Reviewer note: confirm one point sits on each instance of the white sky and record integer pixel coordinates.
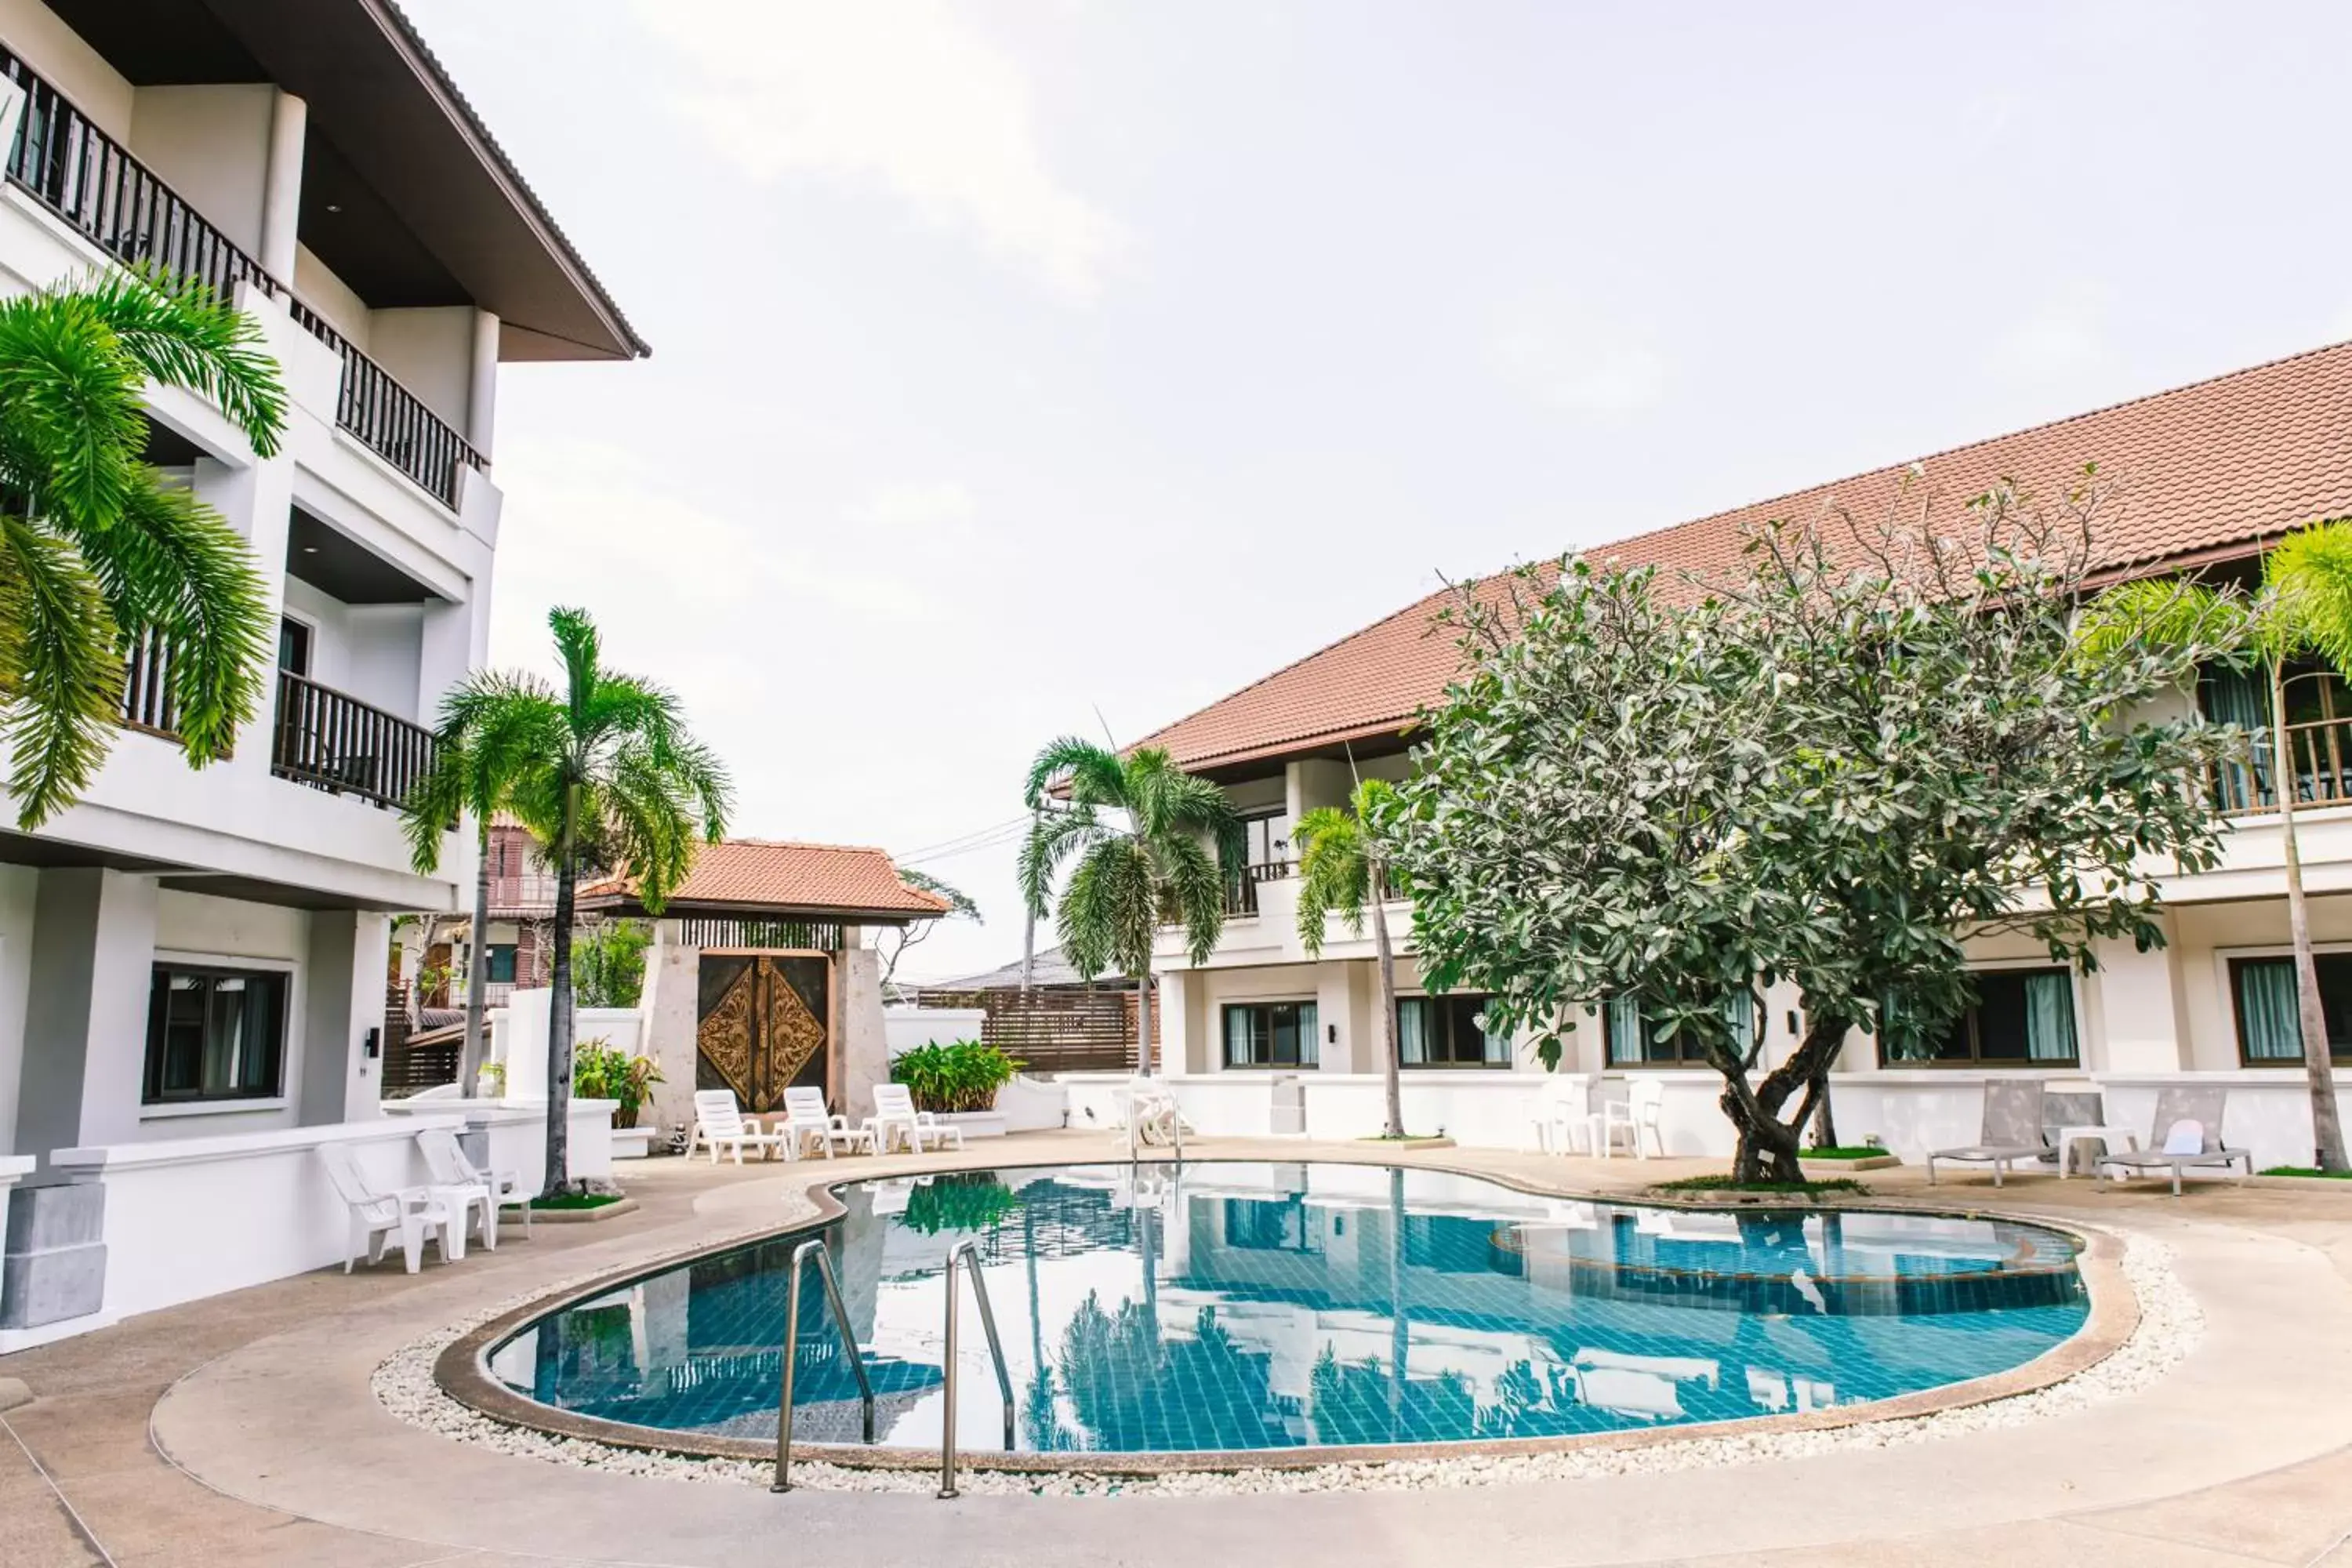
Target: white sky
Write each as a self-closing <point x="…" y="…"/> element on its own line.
<point x="1015" y="360"/>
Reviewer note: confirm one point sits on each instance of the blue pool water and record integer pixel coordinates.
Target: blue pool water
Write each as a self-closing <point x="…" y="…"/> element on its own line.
<point x="1254" y="1306"/>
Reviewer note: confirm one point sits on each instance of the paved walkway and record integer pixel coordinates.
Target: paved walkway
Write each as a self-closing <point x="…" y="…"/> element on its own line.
<point x="279" y="1455"/>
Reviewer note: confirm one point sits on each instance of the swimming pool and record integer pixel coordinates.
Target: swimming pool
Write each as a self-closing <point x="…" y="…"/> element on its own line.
<point x="1227" y="1305"/>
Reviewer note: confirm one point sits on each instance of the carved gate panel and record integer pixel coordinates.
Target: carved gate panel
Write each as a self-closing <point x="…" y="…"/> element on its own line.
<point x="763" y="1026"/>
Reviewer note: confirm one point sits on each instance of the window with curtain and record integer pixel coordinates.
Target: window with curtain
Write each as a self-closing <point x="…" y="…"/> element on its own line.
<point x="1444" y="1032"/>
<point x="2021" y="1017"/>
<point x="2269" y="1030"/>
<point x="499" y="961"/>
<point x="1271" y="1035"/>
<point x="1631" y="1041"/>
<point x="214" y="1033"/>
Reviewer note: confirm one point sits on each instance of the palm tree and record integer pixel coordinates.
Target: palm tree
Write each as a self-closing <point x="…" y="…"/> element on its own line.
<point x="1341" y="869"/>
<point x="1165" y="865"/>
<point x="603" y="773"/>
<point x="99" y="553"/>
<point x="483" y="744"/>
<point x="2303" y="606"/>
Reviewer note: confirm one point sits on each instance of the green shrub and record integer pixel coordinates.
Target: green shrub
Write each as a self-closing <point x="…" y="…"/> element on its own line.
<point x="963" y="1076"/>
<point x="600" y="1070"/>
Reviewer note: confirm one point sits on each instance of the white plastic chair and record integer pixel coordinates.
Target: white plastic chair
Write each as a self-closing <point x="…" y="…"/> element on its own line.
<point x="407" y="1212"/>
<point x="1564" y="1120"/>
<point x="895" y="1113"/>
<point x="806" y="1118"/>
<point x="1636" y="1115"/>
<point x="445" y="1158"/>
<point x="719" y="1120"/>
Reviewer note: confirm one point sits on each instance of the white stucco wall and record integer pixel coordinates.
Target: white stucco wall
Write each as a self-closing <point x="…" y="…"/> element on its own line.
<point x="211" y="144"/>
<point x="431" y="353"/>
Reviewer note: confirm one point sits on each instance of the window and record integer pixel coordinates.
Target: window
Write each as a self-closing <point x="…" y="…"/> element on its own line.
<point x="293" y="646"/>
<point x="2318" y="733"/>
<point x="2270" y="1029"/>
<point x="1633" y="1043"/>
<point x="1265" y="838"/>
<point x="1271" y="1035"/>
<point x="1444" y="1032"/>
<point x="1260" y="1225"/>
<point x="2021" y="1017"/>
<point x="499" y="961"/>
<point x="214" y="1033"/>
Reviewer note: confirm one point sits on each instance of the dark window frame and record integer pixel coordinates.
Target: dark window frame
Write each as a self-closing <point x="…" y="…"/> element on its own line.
<point x="1972" y="1024"/>
<point x="1455" y="1010"/>
<point x="2340" y="960"/>
<point x="152" y="1091"/>
<point x="490" y="976"/>
<point x="304" y="639"/>
<point x="1307" y="1042"/>
<point x="1688" y="1056"/>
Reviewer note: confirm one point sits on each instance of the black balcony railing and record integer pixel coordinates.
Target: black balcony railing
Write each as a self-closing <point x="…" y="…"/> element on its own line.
<point x="392" y="420"/>
<point x="147" y="700"/>
<point x="1241" y="892"/>
<point x="333" y="742"/>
<point x="93" y="182"/>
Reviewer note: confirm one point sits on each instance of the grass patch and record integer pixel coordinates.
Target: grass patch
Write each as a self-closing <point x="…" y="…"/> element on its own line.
<point x="2308" y="1171"/>
<point x="575" y="1200"/>
<point x="1725" y="1185"/>
<point x="1404" y="1138"/>
<point x="1859" y="1152"/>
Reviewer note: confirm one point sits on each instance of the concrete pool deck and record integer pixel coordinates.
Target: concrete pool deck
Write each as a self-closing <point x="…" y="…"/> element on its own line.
<point x="242" y="1430"/>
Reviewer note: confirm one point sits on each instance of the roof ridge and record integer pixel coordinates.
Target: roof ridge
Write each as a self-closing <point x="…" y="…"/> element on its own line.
<point x="807" y="844"/>
<point x="2023" y="430"/>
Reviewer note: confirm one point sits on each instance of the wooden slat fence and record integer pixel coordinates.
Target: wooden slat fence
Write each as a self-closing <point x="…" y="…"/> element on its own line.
<point x="1055" y="1031"/>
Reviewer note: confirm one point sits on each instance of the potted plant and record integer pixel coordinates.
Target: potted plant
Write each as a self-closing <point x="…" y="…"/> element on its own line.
<point x="490" y="1083"/>
<point x="601" y="1070"/>
<point x="958" y="1080"/>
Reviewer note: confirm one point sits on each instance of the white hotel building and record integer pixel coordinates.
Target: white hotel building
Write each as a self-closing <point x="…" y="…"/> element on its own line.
<point x="1263" y="1039"/>
<point x="193" y="964"/>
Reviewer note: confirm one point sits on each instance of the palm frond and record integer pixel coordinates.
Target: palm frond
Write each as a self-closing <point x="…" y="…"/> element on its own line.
<point x="1109" y="909"/>
<point x="69" y="407"/>
<point x="1334" y="873"/>
<point x="60" y="681"/>
<point x="1095" y="774"/>
<point x="2170" y="612"/>
<point x="1191" y="893"/>
<point x="183" y="334"/>
<point x="1053" y="837"/>
<point x="580" y="650"/>
<point x="2310" y="572"/>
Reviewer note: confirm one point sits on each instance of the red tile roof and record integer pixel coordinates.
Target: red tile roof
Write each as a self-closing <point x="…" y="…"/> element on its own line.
<point x="2201" y="469"/>
<point x="768" y="876"/>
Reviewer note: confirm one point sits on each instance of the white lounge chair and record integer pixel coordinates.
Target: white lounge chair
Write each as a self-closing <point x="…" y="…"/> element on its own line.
<point x="1636" y="1116"/>
<point x="2011" y="1133"/>
<point x="719" y="1121"/>
<point x="894" y="1114"/>
<point x="406" y="1211"/>
<point x="2188" y="1120"/>
<point x="806" y="1118"/>
<point x="445" y="1158"/>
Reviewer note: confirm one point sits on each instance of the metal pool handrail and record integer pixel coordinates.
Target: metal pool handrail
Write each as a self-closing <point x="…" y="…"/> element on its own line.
<point x="815" y="1247"/>
<point x="968" y="1253"/>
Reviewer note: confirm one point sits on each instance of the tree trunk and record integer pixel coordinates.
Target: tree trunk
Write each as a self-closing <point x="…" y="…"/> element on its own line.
<point x="2326" y="1126"/>
<point x="1386" y="960"/>
<point x="1768" y="1147"/>
<point x="560" y="1023"/>
<point x="478" y="968"/>
<point x="1143" y="1025"/>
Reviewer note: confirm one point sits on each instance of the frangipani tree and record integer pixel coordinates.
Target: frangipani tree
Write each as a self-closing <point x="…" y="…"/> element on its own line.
<point x="1833" y="767"/>
<point x="1146" y="845"/>
<point x="1342" y="868"/>
<point x="2303" y="606"/>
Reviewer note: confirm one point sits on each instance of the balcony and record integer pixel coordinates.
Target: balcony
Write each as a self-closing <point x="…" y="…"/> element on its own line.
<point x="2321" y="755"/>
<point x="1241" y="894"/>
<point x="94" y="184"/>
<point x="332" y="742"/>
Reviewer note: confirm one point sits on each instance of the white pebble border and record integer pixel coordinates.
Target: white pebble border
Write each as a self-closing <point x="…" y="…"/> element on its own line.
<point x="2170" y="1323"/>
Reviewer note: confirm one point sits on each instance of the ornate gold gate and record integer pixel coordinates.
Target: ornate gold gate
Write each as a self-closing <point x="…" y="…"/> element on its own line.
<point x="764" y="1026"/>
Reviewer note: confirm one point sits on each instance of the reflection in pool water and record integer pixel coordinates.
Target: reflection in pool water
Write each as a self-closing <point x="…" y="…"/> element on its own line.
<point x="1234" y="1305"/>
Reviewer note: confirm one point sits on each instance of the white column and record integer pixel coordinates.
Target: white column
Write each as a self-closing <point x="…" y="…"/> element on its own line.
<point x="343" y="986"/>
<point x="281" y="198"/>
<point x="482" y="388"/>
<point x="1175" y="999"/>
<point x="2133" y="1017"/>
<point x="1345" y="1039"/>
<point x="86" y="1016"/>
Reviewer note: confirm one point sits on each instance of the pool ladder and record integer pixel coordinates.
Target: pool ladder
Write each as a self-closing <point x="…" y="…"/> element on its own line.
<point x="966" y="1253"/>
